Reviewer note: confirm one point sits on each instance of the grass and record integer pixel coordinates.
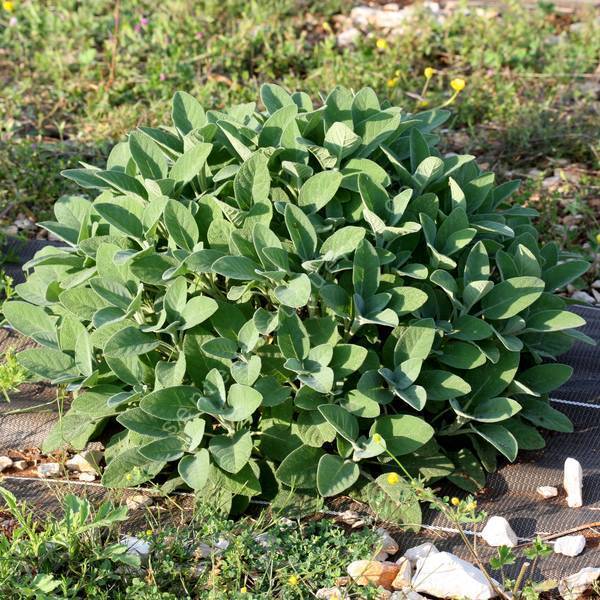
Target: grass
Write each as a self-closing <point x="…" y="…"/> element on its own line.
<point x="76" y="554"/>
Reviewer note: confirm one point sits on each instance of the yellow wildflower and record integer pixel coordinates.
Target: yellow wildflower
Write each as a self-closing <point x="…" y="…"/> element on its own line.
<point x="598" y="238"/>
<point x="293" y="580"/>
<point x="393" y="82"/>
<point x="423" y="103"/>
<point x="455" y="501"/>
<point x="8" y="6"/>
<point x="326" y="26"/>
<point x="393" y="478"/>
<point x="458" y="84"/>
<point x="244" y="590"/>
<point x="429" y="72"/>
<point x="472" y="505"/>
<point x="381" y="44"/>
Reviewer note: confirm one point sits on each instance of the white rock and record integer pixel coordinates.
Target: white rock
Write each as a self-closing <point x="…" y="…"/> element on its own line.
<point x="20" y="465"/>
<point x="347" y="38"/>
<point x="206" y="551"/>
<point x="421" y="551"/>
<point x="573" y="586"/>
<point x="136" y="546"/>
<point x="5" y="463"/>
<point x="332" y="593"/>
<point x="49" y="469"/>
<point x="444" y="575"/>
<point x="388" y="543"/>
<point x="381" y="556"/>
<point x="583" y="297"/>
<point x="498" y="532"/>
<point x="573" y="482"/>
<point x="547" y="491"/>
<point x="87" y="477"/>
<point x="138" y="501"/>
<point x="596" y="284"/>
<point x="86" y="461"/>
<point x="570" y="545"/>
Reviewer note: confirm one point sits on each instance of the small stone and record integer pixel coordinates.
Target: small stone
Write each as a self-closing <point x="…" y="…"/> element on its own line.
<point x="388" y="543"/>
<point x="547" y="491"/>
<point x="367" y="572"/>
<point x="285" y="522"/>
<point x="49" y="469"/>
<point x="347" y="38"/>
<point x="11" y="230"/>
<point x="444" y="575"/>
<point x="87" y="477"/>
<point x="421" y="551"/>
<point x="570" y="545"/>
<point x="264" y="539"/>
<point x="332" y="593"/>
<point x="583" y="297"/>
<point x="206" y="551"/>
<point x="86" y="461"/>
<point x="20" y="465"/>
<point x="498" y="532"/>
<point x="383" y="594"/>
<point x="596" y="284"/>
<point x="404" y="577"/>
<point x="381" y="556"/>
<point x="573" y="482"/>
<point x="5" y="463"/>
<point x="349" y="517"/>
<point x="135" y="546"/>
<point x="574" y="586"/>
<point x="138" y="501"/>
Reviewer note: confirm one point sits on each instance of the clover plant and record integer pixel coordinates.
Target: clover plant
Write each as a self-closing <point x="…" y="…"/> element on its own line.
<point x="264" y="300"/>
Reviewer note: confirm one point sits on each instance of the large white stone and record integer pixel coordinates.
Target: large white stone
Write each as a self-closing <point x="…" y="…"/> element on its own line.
<point x="404" y="577"/>
<point x="498" y="532"/>
<point x="5" y="463"/>
<point x="573" y="586"/>
<point x="136" y="546"/>
<point x="444" y="575"/>
<point x="570" y="545"/>
<point x="421" y="551"/>
<point x="87" y="461"/>
<point x="573" y="482"/>
<point x="49" y="469"/>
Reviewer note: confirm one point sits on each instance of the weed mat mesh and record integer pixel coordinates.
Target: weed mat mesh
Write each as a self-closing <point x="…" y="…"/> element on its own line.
<point x="510" y="492"/>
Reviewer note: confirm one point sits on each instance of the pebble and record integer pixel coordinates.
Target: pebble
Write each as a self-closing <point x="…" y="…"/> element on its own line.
<point x="498" y="532"/>
<point x="138" y="501"/>
<point x="20" y="465"/>
<point x="347" y="38"/>
<point x="136" y="546"/>
<point x="388" y="543"/>
<point x="49" y="469"/>
<point x="404" y="577"/>
<point x="573" y="482"/>
<point x="596" y="284"/>
<point x="5" y="463"/>
<point x="367" y="572"/>
<point x="332" y="593"/>
<point x="547" y="491"/>
<point x="87" y="461"/>
<point x="574" y="586"/>
<point x="570" y="545"/>
<point x="87" y="477"/>
<point x="583" y="297"/>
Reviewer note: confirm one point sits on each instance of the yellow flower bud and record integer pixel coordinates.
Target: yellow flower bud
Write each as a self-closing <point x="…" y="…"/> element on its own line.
<point x="244" y="590"/>
<point x="8" y="6"/>
<point x="293" y="580"/>
<point x="326" y="26"/>
<point x="377" y="438"/>
<point x="393" y="82"/>
<point x="423" y="103"/>
<point x="455" y="501"/>
<point x="598" y="238"/>
<point x="381" y="44"/>
<point x="429" y="72"/>
<point x="458" y="84"/>
<point x="393" y="478"/>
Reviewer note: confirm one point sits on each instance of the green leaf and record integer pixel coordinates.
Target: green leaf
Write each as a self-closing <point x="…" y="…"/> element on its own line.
<point x="545" y="378"/>
<point x="129" y="469"/>
<point x="178" y="403"/>
<point x="491" y="410"/>
<point x="242" y="401"/>
<point x="197" y="310"/>
<point x="500" y="437"/>
<point x="148" y="156"/>
<point x="403" y="434"/>
<point x="343" y="241"/>
<point x="231" y="453"/>
<point x="540" y="413"/>
<point x="48" y="363"/>
<point x="443" y="385"/>
<point x="295" y="293"/>
<point x="341" y="141"/>
<point x="194" y="469"/>
<point x="510" y="297"/>
<point x="554" y="320"/>
<point x="292" y="337"/>
<point x="187" y="113"/>
<point x="334" y="475"/>
<point x="365" y="271"/>
<point x="301" y="230"/>
<point x="165" y="449"/>
<point x="299" y="468"/>
<point x="130" y="341"/>
<point x="394" y="502"/>
<point x="318" y="190"/>
<point x="190" y="163"/>
<point x="32" y="321"/>
<point x="252" y="182"/>
<point x="181" y="225"/>
<point x="341" y="420"/>
<point x="559" y="276"/>
<point x="236" y="267"/>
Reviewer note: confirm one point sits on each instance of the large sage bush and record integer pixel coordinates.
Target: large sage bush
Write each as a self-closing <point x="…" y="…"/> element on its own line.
<point x="268" y="300"/>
